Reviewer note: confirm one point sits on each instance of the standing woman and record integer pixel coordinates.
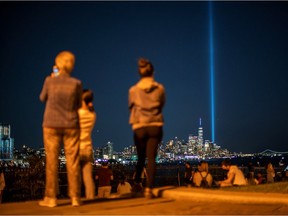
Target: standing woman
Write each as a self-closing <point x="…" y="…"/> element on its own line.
<point x="61" y="94"/>
<point x="87" y="119"/>
<point x="146" y="101"/>
<point x="270" y="173"/>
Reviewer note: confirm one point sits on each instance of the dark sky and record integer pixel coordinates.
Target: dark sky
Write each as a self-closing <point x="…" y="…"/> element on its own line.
<point x="250" y="57"/>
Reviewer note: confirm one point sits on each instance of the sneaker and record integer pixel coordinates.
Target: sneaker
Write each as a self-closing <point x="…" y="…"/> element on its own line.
<point x="76" y="202"/>
<point x="48" y="202"/>
<point x="148" y="193"/>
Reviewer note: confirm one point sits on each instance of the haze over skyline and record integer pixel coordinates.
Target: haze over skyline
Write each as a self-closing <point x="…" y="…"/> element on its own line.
<point x="250" y="66"/>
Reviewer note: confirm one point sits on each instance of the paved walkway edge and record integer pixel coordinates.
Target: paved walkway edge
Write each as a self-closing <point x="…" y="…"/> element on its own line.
<point x="214" y="195"/>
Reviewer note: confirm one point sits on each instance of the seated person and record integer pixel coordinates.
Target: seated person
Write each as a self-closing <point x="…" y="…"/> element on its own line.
<point x="260" y="178"/>
<point x="251" y="180"/>
<point x="123" y="187"/>
<point x="235" y="176"/>
<point x="188" y="174"/>
<point x="202" y="173"/>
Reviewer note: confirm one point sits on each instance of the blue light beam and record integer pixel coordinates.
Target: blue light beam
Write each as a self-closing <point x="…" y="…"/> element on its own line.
<point x="211" y="43"/>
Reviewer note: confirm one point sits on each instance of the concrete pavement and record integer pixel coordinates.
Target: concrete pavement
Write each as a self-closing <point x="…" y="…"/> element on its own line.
<point x="169" y="201"/>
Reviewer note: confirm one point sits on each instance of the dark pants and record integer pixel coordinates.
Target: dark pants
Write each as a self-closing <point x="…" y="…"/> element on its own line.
<point x="147" y="140"/>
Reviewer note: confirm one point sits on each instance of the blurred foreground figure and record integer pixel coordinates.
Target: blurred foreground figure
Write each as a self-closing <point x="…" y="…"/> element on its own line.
<point x="62" y="95"/>
<point x="87" y="118"/>
<point x="146" y="100"/>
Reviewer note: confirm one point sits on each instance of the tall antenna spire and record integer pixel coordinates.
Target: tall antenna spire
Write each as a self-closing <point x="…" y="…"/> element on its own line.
<point x="200" y="121"/>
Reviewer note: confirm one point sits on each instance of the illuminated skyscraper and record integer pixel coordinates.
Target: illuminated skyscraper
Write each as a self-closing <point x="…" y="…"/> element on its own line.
<point x="108" y="150"/>
<point x="192" y="143"/>
<point x="6" y="142"/>
<point x="200" y="135"/>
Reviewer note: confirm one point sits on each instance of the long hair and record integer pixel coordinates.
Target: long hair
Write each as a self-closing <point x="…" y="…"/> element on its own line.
<point x="203" y="166"/>
<point x="87" y="97"/>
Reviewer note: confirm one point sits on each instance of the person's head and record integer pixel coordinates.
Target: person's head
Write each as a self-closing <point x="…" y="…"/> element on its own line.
<point x="203" y="166"/>
<point x="122" y="179"/>
<point x="226" y="164"/>
<point x="87" y="98"/>
<point x="269" y="165"/>
<point x="145" y="68"/>
<point x="105" y="164"/>
<point x="187" y="164"/>
<point x="65" y="61"/>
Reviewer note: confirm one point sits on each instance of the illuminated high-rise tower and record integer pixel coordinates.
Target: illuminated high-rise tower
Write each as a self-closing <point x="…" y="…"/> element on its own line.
<point x="108" y="150"/>
<point x="6" y="142"/>
<point x="192" y="143"/>
<point x="200" y="135"/>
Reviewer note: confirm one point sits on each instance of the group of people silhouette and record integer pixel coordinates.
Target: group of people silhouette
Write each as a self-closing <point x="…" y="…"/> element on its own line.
<point x="200" y="177"/>
<point x="69" y="119"/>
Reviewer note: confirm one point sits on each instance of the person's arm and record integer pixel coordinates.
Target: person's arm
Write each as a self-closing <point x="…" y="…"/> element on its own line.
<point x="192" y="173"/>
<point x="44" y="92"/>
<point x="228" y="181"/>
<point x="145" y="172"/>
<point x="163" y="98"/>
<point x="79" y="95"/>
<point x="194" y="179"/>
<point x="130" y="100"/>
<point x="2" y="181"/>
<point x="111" y="175"/>
<point x="134" y="174"/>
<point x="210" y="179"/>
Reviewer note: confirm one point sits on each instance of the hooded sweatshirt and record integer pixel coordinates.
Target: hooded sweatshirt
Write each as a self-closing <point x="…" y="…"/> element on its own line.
<point x="146" y="100"/>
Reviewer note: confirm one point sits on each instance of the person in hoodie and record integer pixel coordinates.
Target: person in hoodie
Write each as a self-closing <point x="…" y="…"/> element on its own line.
<point x="146" y="101"/>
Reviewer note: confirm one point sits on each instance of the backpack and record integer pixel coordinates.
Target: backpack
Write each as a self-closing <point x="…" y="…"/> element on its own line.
<point x="204" y="182"/>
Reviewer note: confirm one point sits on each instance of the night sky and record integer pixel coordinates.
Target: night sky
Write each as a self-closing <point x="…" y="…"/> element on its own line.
<point x="250" y="66"/>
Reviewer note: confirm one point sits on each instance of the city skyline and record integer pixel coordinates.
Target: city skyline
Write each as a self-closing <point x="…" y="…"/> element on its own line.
<point x="249" y="66"/>
<point x="197" y="135"/>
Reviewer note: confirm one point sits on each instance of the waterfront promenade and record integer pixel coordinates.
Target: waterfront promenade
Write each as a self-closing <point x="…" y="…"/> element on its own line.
<point x="169" y="201"/>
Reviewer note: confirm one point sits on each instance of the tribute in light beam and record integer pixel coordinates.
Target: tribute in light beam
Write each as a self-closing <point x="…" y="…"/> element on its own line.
<point x="212" y="72"/>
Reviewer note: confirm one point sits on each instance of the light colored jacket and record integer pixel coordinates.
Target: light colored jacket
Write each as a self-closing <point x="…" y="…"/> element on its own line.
<point x="87" y="120"/>
<point x="146" y="100"/>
